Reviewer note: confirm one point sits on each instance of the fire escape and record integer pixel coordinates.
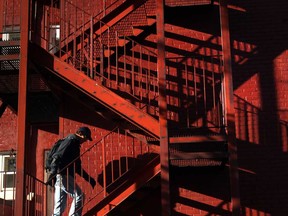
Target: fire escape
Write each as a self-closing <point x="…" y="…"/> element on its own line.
<point x="101" y="58"/>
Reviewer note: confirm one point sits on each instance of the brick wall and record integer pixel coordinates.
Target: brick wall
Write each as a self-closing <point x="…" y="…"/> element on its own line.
<point x="260" y="59"/>
<point x="259" y="37"/>
<point x="8" y="132"/>
<point x="11" y="9"/>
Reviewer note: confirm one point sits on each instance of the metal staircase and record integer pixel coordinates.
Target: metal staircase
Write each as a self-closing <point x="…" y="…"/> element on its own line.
<point x="102" y="61"/>
<point x="121" y="74"/>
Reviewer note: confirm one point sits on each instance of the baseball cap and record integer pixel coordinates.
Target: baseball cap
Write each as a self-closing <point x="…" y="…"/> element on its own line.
<point x="86" y="132"/>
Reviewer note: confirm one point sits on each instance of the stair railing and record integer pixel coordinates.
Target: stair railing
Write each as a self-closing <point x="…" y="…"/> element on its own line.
<point x="129" y="69"/>
<point x="36" y="192"/>
<point x="74" y="18"/>
<point x="103" y="54"/>
<point x="195" y="90"/>
<point x="108" y="160"/>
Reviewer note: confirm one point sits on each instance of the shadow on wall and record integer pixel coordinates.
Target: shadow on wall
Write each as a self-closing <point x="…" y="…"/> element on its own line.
<point x="203" y="190"/>
<point x="262" y="154"/>
<point x="118" y="172"/>
<point x="262" y="130"/>
<point x="117" y="168"/>
<point x="259" y="36"/>
<point x="263" y="161"/>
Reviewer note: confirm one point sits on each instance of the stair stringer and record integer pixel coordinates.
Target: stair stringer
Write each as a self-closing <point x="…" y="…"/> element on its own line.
<point x="95" y="90"/>
<point x="133" y="182"/>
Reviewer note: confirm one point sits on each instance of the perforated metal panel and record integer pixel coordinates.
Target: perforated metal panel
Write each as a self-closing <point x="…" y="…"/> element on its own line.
<point x="196" y="162"/>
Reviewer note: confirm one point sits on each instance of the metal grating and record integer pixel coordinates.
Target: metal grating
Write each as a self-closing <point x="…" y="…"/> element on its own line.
<point x="178" y="3"/>
<point x="9" y="65"/>
<point x="196" y="163"/>
<point x="9" y="56"/>
<point x="10" y="50"/>
<point x="197" y="148"/>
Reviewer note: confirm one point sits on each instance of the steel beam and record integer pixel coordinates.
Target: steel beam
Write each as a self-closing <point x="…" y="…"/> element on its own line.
<point x="9" y="43"/>
<point x="19" y="209"/>
<point x="9" y="57"/>
<point x="197" y="139"/>
<point x="229" y="108"/>
<point x="162" y="102"/>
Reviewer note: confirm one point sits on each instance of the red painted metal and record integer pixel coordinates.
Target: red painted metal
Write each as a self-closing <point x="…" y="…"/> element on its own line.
<point x="1" y="18"/>
<point x="135" y="181"/>
<point x="126" y="177"/>
<point x="104" y="170"/>
<point x="103" y="25"/>
<point x="229" y="107"/>
<point x="22" y="105"/>
<point x="121" y="106"/>
<point x="9" y="43"/>
<point x="9" y="57"/>
<point x="197" y="155"/>
<point x="96" y="90"/>
<point x="94" y="55"/>
<point x="198" y="138"/>
<point x="162" y="103"/>
<point x="205" y="110"/>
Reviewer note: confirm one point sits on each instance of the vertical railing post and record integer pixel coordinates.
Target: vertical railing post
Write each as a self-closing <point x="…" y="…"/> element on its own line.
<point x="101" y="53"/>
<point x="104" y="8"/>
<point x="164" y="141"/>
<point x="132" y="70"/>
<point x="1" y="18"/>
<point x="104" y="168"/>
<point x="187" y="93"/>
<point x="117" y="55"/>
<point x="62" y="28"/>
<point x="204" y="123"/>
<point x="124" y="61"/>
<point x="91" y="48"/>
<point x="195" y="91"/>
<point x="229" y="108"/>
<point x="109" y="53"/>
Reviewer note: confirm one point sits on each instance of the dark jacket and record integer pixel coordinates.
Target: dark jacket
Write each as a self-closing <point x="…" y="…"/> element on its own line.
<point x="70" y="162"/>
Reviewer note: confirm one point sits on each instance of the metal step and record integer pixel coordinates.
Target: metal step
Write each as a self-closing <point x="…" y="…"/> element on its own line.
<point x="177" y="3"/>
<point x="9" y="55"/>
<point x="198" y="147"/>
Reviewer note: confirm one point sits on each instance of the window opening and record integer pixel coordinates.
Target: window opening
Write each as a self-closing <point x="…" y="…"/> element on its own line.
<point x="54" y="38"/>
<point x="11" y="33"/>
<point x="7" y="175"/>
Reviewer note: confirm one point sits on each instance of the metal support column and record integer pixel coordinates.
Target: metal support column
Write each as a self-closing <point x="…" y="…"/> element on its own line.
<point x="22" y="102"/>
<point x="1" y="18"/>
<point x="229" y="108"/>
<point x="164" y="141"/>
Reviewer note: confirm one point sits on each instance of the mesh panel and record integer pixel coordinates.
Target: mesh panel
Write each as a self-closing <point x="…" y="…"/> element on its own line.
<point x="10" y="65"/>
<point x="195" y="162"/>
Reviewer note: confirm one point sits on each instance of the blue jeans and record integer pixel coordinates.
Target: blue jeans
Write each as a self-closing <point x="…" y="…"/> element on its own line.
<point x="66" y="186"/>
